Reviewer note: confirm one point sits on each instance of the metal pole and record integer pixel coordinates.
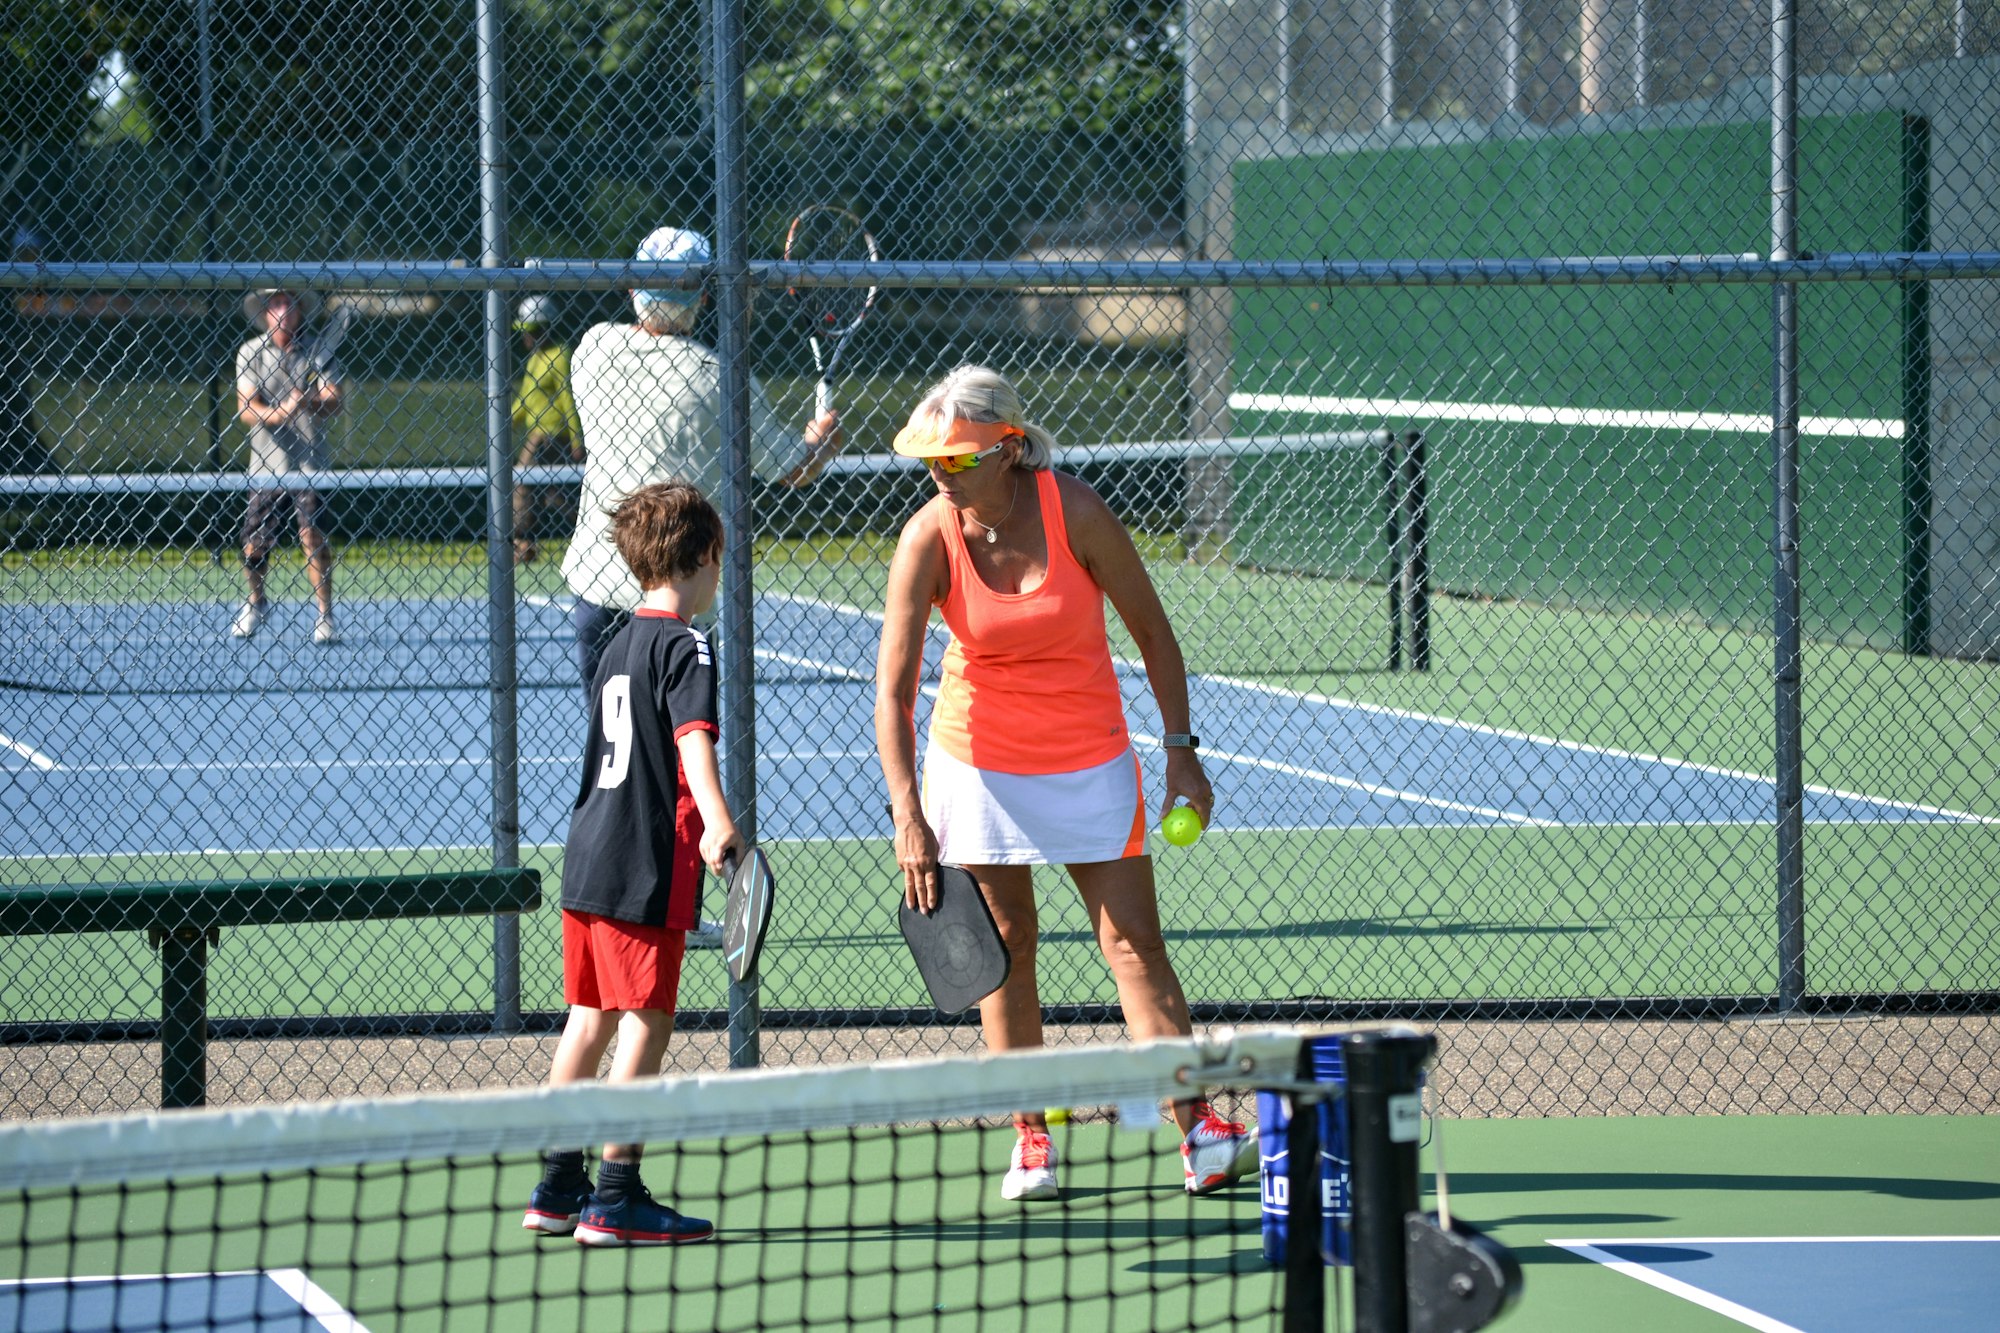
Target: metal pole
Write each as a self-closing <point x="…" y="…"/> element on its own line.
<point x="1384" y="1115"/>
<point x="1385" y="57"/>
<point x="732" y="297"/>
<point x="1284" y="24"/>
<point x="1786" y="682"/>
<point x="219" y="320"/>
<point x="1642" y="56"/>
<point x="1415" y="572"/>
<point x="503" y="716"/>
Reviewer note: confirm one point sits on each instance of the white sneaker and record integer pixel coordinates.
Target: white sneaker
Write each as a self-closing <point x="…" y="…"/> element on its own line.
<point x="1216" y="1151"/>
<point x="326" y="633"/>
<point x="707" y="935"/>
<point x="1031" y="1171"/>
<point x="248" y="619"/>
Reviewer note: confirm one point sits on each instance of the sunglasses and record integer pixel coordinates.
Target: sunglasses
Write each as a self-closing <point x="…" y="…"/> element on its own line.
<point x="957" y="463"/>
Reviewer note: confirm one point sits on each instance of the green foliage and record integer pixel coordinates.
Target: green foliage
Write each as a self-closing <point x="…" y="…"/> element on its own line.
<point x="1099" y="65"/>
<point x="49" y="50"/>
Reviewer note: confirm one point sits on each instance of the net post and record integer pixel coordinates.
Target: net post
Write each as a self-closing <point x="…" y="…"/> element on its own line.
<point x="1305" y="1266"/>
<point x="1391" y="541"/>
<point x="183" y="1016"/>
<point x="1384" y="1113"/>
<point x="1415" y="574"/>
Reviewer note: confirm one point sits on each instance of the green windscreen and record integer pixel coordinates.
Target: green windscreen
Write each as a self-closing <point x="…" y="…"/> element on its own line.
<point x="1669" y="512"/>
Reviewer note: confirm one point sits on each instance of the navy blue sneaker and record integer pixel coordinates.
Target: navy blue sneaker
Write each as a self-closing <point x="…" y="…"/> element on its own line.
<point x="639" y="1220"/>
<point x="554" y="1212"/>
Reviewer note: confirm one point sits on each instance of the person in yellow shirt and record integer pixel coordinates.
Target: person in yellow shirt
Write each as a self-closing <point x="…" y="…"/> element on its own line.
<point x="544" y="409"/>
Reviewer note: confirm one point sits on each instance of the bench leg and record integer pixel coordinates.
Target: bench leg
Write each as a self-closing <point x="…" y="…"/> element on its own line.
<point x="183" y="1017"/>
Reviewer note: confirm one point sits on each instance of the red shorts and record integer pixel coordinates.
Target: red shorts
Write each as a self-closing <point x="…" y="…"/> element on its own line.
<point x="609" y="964"/>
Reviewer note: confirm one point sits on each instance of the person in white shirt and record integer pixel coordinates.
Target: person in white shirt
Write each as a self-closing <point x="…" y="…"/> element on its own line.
<point x="650" y="399"/>
<point x="285" y="396"/>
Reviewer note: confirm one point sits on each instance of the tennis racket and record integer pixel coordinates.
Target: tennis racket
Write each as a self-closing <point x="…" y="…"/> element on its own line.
<point x="829" y="315"/>
<point x="326" y="344"/>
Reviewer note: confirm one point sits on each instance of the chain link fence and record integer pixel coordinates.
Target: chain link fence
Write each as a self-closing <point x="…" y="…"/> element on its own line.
<point x="1553" y="695"/>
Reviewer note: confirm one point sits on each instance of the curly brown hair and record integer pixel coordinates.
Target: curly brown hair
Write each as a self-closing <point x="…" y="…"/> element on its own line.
<point x="664" y="531"/>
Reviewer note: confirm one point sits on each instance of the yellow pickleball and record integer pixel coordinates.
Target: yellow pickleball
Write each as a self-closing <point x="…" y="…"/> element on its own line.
<point x="1181" y="826"/>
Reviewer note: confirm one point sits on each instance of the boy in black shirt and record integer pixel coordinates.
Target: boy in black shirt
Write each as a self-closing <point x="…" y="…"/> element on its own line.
<point x="649" y="814"/>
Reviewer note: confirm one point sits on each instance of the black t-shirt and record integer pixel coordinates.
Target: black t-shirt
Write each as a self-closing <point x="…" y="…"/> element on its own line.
<point x="634" y="849"/>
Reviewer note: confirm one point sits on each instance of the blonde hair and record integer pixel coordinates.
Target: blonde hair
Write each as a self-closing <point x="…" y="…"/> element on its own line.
<point x="980" y="393"/>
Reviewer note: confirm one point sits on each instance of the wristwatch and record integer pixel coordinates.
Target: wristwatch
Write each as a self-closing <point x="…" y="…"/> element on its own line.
<point x="1181" y="740"/>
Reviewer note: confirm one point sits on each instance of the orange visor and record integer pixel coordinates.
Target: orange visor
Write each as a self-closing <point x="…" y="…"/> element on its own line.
<point x="929" y="437"/>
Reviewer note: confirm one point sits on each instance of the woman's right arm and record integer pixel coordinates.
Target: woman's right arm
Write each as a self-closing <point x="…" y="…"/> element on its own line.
<point x="916" y="581"/>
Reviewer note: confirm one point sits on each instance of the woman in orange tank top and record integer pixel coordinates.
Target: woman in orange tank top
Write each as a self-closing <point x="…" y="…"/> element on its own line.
<point x="1028" y="761"/>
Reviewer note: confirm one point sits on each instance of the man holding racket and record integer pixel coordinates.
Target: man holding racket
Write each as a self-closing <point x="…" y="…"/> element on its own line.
<point x="285" y="392"/>
<point x="1029" y="761"/>
<point x="650" y="399"/>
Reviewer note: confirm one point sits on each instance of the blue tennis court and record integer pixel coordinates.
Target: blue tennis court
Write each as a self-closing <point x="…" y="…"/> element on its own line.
<point x="277" y="745"/>
<point x="1820" y="1284"/>
<point x="273" y="1299"/>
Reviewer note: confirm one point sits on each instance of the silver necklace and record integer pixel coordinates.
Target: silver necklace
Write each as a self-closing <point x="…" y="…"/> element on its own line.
<point x="993" y="529"/>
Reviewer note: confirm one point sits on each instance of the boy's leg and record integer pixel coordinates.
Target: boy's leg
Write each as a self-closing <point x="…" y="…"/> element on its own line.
<point x="559" y="1199"/>
<point x="580" y="1050"/>
<point x="641" y="967"/>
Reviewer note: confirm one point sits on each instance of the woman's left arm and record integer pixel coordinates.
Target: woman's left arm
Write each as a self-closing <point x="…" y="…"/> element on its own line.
<point x="1104" y="548"/>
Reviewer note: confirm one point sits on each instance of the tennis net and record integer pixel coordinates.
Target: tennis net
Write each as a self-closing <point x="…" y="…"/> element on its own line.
<point x="843" y="1196"/>
<point x="126" y="583"/>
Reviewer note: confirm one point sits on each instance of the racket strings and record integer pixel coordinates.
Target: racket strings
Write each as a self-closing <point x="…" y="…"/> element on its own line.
<point x="823" y="235"/>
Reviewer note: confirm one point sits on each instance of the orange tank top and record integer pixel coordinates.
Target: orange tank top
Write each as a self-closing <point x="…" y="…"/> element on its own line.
<point x="1027" y="683"/>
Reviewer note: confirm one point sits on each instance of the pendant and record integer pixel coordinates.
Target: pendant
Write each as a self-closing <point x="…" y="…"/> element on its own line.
<point x="992" y="535"/>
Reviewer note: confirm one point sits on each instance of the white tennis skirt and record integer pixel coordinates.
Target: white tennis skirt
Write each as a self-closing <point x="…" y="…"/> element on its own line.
<point x="984" y="818"/>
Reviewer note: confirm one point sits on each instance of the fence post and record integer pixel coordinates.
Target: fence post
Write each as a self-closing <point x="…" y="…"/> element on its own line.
<point x="1786" y="683"/>
<point x="501" y="679"/>
<point x="732" y="296"/>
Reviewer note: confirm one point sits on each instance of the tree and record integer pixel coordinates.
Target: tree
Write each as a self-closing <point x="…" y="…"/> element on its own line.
<point x="1098" y="65"/>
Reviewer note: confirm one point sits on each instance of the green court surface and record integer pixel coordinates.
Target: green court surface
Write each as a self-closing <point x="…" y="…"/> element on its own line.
<point x="1527" y="1182"/>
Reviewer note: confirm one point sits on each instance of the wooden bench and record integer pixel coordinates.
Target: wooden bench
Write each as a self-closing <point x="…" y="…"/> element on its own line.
<point x="182" y="919"/>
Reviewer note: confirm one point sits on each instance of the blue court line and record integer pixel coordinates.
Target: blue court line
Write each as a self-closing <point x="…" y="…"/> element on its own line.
<point x="271" y="770"/>
<point x="1819" y="1284"/>
<point x="271" y="1299"/>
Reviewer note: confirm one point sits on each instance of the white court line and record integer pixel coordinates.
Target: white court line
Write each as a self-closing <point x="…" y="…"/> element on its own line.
<point x="312" y="1299"/>
<point x="1708" y="1300"/>
<point x="1480" y="728"/>
<point x="305" y="765"/>
<point x="390" y="765"/>
<point x="1418" y="409"/>
<point x="1588" y="1249"/>
<point x="29" y="753"/>
<point x="1581" y="747"/>
<point x="329" y="1313"/>
<point x="1371" y="788"/>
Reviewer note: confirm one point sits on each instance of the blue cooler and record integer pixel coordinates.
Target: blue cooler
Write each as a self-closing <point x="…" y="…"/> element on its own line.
<point x="1336" y="1205"/>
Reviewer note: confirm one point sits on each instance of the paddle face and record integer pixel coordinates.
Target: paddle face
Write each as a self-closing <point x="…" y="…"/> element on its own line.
<point x="958" y="947"/>
<point x="747" y="913"/>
